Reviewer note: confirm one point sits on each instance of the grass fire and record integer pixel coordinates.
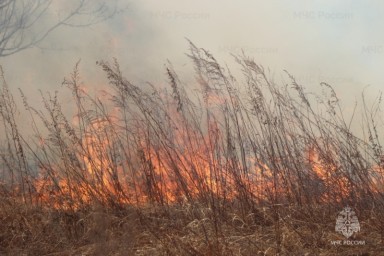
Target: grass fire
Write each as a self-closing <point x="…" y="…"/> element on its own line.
<point x="231" y="165"/>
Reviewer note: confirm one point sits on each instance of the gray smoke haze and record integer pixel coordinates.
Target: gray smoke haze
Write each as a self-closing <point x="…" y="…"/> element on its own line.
<point x="339" y="42"/>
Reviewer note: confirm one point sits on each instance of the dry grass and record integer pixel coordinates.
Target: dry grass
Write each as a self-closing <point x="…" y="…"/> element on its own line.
<point x="181" y="230"/>
<point x="242" y="167"/>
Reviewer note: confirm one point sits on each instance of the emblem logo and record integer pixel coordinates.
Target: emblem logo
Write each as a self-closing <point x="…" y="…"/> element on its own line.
<point x="347" y="222"/>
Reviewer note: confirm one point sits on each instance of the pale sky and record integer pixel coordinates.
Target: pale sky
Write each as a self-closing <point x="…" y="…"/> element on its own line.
<point x="339" y="42"/>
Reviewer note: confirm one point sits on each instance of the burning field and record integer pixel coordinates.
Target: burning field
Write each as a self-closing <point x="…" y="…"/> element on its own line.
<point x="233" y="166"/>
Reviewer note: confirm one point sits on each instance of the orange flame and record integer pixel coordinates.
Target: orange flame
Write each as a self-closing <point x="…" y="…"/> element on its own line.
<point x="186" y="165"/>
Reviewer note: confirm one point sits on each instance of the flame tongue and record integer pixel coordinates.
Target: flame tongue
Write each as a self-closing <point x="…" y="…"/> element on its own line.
<point x="118" y="163"/>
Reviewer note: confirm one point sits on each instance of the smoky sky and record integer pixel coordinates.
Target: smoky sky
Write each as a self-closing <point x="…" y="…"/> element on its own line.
<point x="338" y="42"/>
